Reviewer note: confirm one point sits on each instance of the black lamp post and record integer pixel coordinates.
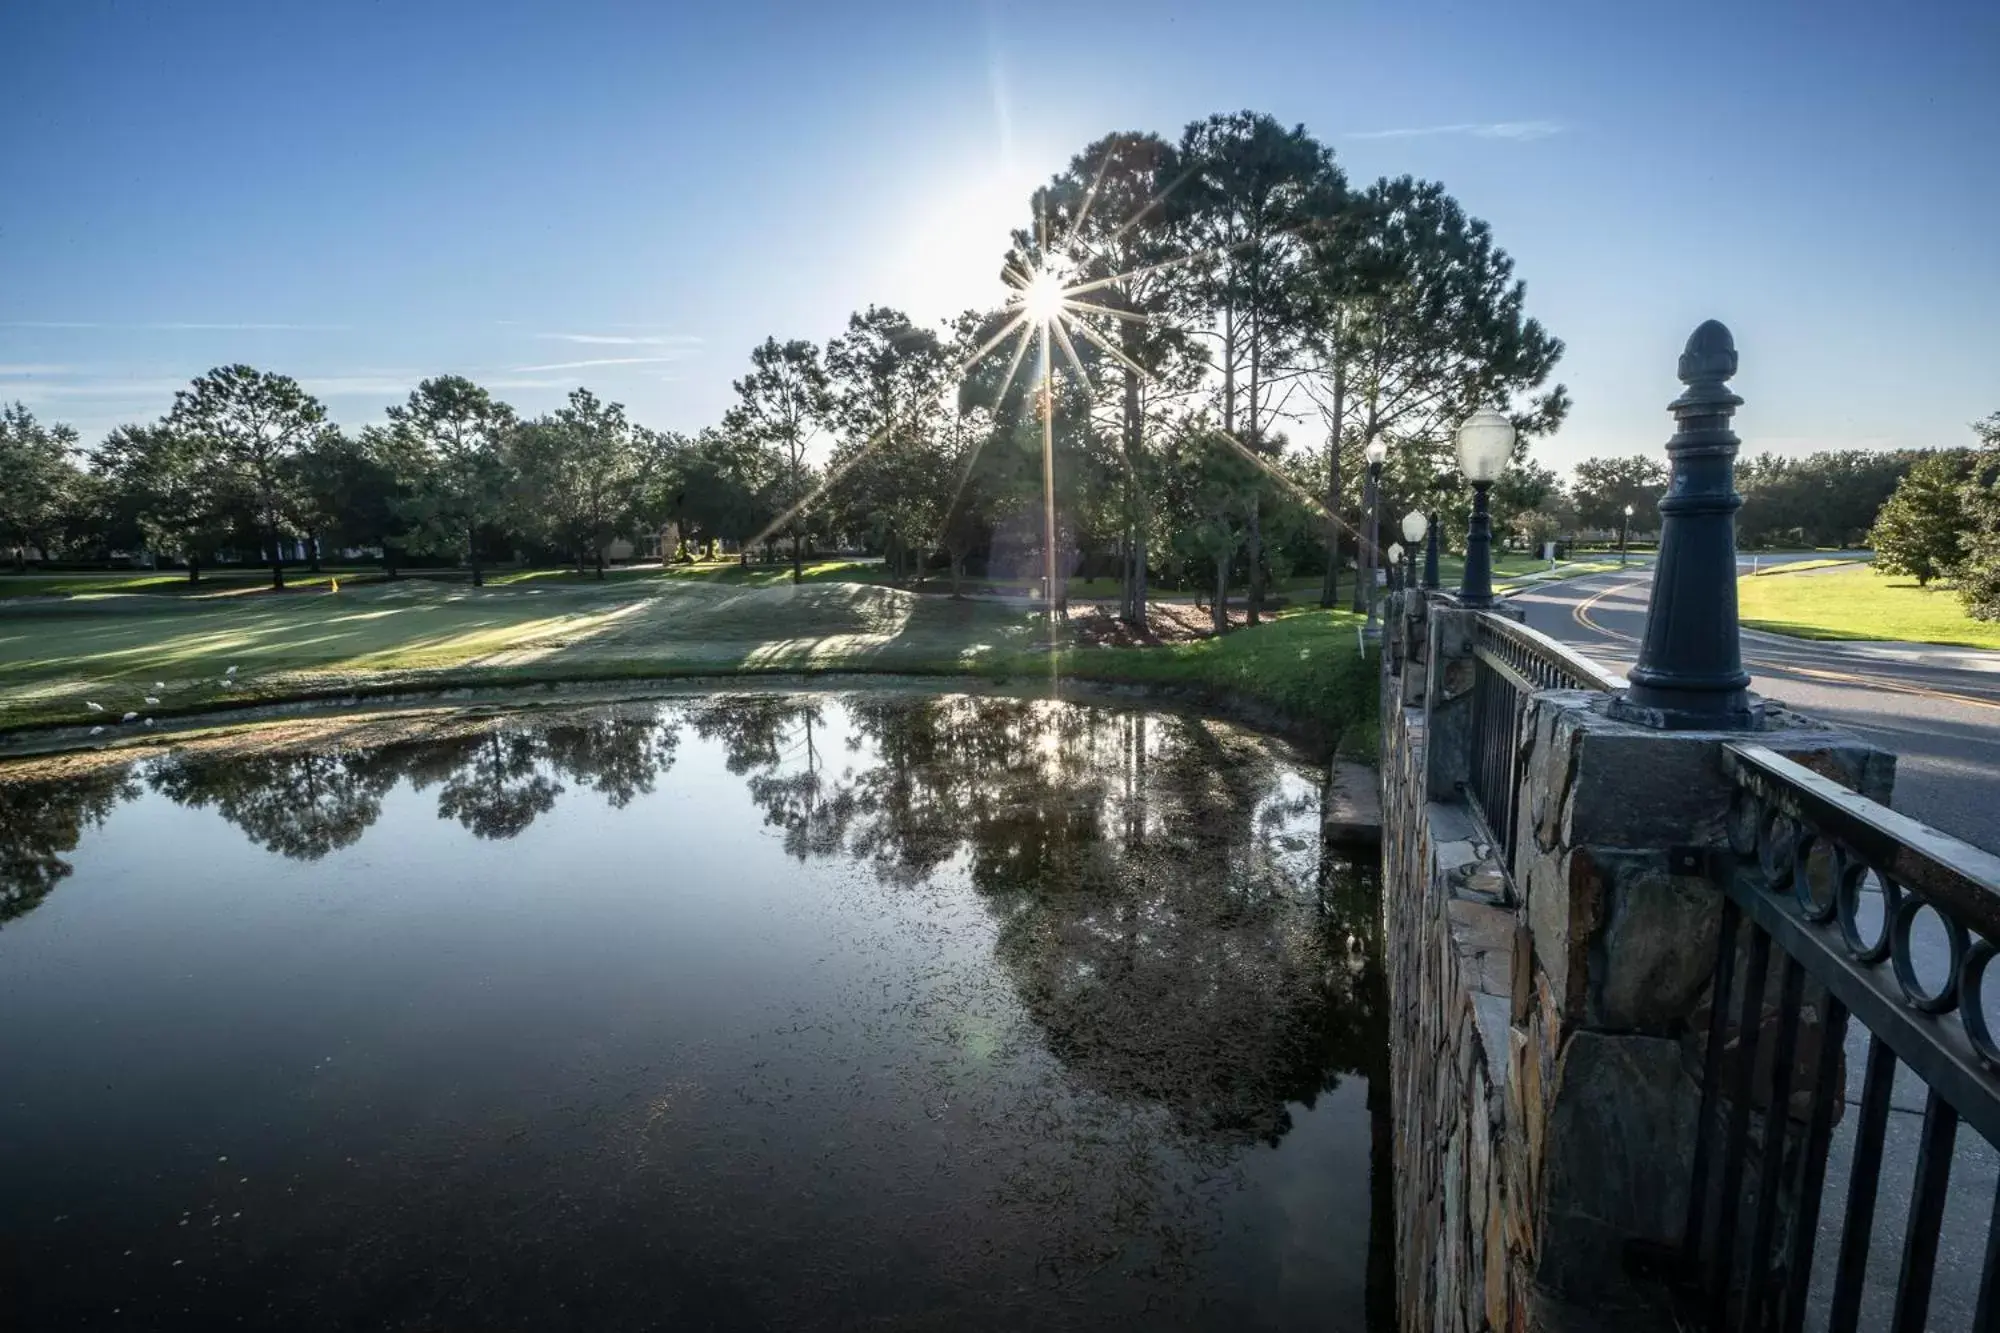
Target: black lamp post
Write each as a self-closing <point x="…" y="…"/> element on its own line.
<point x="1395" y="554"/>
<point x="1624" y="529"/>
<point x="1690" y="671"/>
<point x="1431" y="551"/>
<point x="1373" y="454"/>
<point x="1485" y="442"/>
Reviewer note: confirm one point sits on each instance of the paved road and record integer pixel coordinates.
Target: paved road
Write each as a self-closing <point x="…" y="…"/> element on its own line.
<point x="1937" y="708"/>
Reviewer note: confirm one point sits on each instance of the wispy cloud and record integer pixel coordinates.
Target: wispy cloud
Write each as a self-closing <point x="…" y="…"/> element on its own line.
<point x="22" y="370"/>
<point x="1521" y="131"/>
<point x="174" y="326"/>
<point x="557" y="383"/>
<point x="626" y="339"/>
<point x="132" y="388"/>
<point x="600" y="361"/>
<point x="358" y="386"/>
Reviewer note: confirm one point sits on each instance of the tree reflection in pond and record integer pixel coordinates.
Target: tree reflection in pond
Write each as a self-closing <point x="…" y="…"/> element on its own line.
<point x="41" y="822"/>
<point x="301" y="804"/>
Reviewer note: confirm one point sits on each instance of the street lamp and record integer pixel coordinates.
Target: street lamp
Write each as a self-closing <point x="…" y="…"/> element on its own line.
<point x="1623" y="529"/>
<point x="1415" y="525"/>
<point x="1395" y="554"/>
<point x="1485" y="443"/>
<point x="1373" y="455"/>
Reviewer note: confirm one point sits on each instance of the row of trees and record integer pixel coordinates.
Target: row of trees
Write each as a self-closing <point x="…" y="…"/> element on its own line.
<point x="1943" y="522"/>
<point x="1232" y="290"/>
<point x="1829" y="498"/>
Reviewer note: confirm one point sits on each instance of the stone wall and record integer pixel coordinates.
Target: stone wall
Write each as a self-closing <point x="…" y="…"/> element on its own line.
<point x="1544" y="1024"/>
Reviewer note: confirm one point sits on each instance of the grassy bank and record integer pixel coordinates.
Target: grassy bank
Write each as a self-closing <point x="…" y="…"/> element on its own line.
<point x="1859" y="603"/>
<point x="56" y="657"/>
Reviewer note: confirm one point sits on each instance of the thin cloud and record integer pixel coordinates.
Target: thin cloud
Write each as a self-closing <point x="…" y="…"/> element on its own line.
<point x="625" y="339"/>
<point x="175" y="326"/>
<point x="22" y="370"/>
<point x="600" y="361"/>
<point x="557" y="383"/>
<point x="1520" y="131"/>
<point x="354" y="386"/>
<point x="102" y="389"/>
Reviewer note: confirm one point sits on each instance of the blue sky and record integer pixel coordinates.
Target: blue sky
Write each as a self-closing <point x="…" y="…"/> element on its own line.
<point x="631" y="196"/>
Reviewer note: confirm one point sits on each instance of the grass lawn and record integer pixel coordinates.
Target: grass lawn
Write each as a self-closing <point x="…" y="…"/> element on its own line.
<point x="1860" y="603"/>
<point x="377" y="637"/>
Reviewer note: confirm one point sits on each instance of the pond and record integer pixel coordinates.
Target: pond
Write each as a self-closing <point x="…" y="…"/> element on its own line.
<point x="782" y="1011"/>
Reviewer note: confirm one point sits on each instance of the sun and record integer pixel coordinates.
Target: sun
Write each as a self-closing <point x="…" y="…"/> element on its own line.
<point x="1042" y="299"/>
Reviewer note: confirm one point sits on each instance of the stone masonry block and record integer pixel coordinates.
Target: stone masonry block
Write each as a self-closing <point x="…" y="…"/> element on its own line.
<point x="1653" y="953"/>
<point x="1618" y="1152"/>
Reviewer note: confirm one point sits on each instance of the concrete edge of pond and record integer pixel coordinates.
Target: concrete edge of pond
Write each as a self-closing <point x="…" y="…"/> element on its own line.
<point x="43" y="741"/>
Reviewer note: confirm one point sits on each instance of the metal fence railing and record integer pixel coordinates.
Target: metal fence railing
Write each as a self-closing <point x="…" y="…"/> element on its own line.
<point x="1830" y="889"/>
<point x="1511" y="662"/>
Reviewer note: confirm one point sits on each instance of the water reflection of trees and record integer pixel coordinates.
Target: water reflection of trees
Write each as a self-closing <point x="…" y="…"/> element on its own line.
<point x="1158" y="918"/>
<point x="301" y="805"/>
<point x="41" y="822"/>
<point x="494" y="782"/>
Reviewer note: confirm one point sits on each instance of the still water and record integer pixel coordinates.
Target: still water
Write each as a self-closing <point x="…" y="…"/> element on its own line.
<point x="799" y="1011"/>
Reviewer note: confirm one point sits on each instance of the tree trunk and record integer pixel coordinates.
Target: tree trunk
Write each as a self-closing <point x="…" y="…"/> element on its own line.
<point x="798" y="558"/>
<point x="1219" y="609"/>
<point x="1256" y="556"/>
<point x="1329" y="593"/>
<point x="194" y="569"/>
<point x="957" y="573"/>
<point x="600" y="564"/>
<point x="277" y="561"/>
<point x="312" y="545"/>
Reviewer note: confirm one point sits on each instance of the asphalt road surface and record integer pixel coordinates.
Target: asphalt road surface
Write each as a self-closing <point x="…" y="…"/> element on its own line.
<point x="1938" y="709"/>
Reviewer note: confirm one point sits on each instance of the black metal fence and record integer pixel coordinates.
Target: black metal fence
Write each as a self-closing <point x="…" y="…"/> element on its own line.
<point x="1829" y="888"/>
<point x="1510" y="662"/>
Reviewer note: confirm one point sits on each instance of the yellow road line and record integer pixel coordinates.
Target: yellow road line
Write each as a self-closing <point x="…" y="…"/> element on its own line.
<point x="1581" y="614"/>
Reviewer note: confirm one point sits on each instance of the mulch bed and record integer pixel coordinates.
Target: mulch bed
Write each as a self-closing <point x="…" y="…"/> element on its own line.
<point x="1096" y="624"/>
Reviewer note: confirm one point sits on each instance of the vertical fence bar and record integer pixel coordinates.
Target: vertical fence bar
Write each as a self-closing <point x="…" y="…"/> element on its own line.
<point x="1748" y="1025"/>
<point x="1913" y="1285"/>
<point x="1711" y="1080"/>
<point x="1856" y="1229"/>
<point x="1986" y="1314"/>
<point x="1777" y="1116"/>
<point x="1828" y="1093"/>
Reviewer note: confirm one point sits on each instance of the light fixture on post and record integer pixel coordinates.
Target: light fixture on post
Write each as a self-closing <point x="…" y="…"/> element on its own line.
<point x="1485" y="443"/>
<point x="1415" y="526"/>
<point x="1395" y="554"/>
<point x="1373" y="455"/>
<point x="1431" y="552"/>
<point x="1624" y="529"/>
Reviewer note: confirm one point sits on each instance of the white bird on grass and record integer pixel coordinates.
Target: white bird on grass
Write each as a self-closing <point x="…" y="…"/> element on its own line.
<point x="230" y="672"/>
<point x="129" y="717"/>
<point x="152" y="699"/>
<point x="149" y="722"/>
<point x="95" y="730"/>
<point x="159" y="684"/>
<point x="93" y="707"/>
